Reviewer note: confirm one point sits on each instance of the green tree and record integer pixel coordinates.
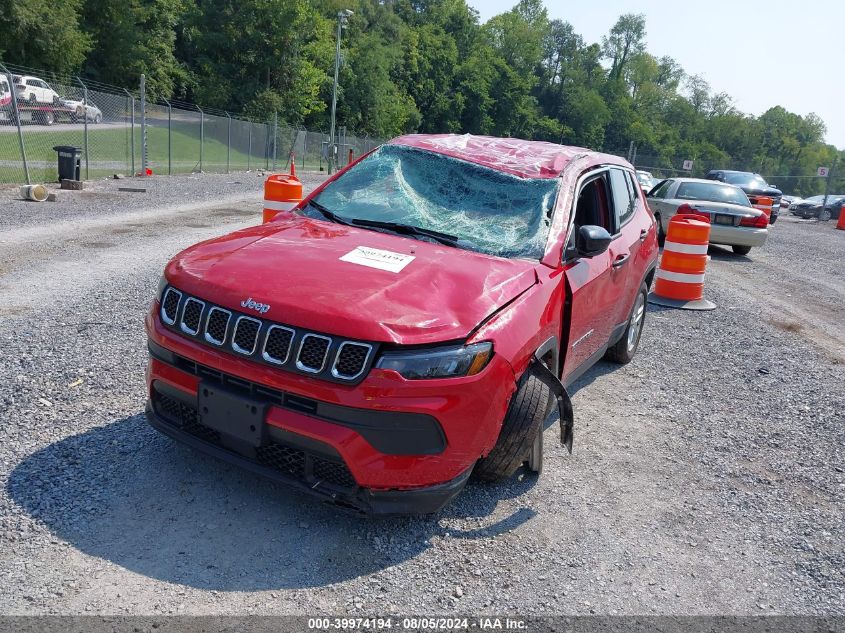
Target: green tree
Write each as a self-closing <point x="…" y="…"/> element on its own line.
<point x="43" y="34"/>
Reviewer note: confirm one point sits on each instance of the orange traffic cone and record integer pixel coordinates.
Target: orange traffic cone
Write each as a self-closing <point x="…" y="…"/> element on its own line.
<point x="841" y="223"/>
<point x="282" y="192"/>
<point x="679" y="281"/>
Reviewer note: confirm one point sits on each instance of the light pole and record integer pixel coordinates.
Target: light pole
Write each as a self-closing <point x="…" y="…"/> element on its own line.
<point x="342" y="19"/>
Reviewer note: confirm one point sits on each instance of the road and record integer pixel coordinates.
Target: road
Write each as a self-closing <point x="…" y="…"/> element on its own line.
<point x="706" y="477"/>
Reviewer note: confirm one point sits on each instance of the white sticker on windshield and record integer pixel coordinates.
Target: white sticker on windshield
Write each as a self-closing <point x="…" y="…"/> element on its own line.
<point x="377" y="258"/>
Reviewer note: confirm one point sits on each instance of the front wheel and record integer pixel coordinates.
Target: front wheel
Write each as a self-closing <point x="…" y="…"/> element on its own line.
<point x="518" y="441"/>
<point x="623" y="350"/>
<point x="824" y="215"/>
<point x="741" y="250"/>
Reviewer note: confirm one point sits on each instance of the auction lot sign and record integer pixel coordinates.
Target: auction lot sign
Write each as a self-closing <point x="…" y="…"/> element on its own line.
<point x="422" y="624"/>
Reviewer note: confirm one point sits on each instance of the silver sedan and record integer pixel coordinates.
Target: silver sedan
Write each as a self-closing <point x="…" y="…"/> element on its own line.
<point x="733" y="221"/>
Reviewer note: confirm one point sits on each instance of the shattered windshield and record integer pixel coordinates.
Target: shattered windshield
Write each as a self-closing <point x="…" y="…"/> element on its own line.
<point x="488" y="211"/>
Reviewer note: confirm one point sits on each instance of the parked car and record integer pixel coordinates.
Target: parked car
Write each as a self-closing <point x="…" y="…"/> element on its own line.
<point x="800" y="207"/>
<point x="461" y="314"/>
<point x="35" y="90"/>
<point x="787" y="201"/>
<point x="754" y="185"/>
<point x="89" y="111"/>
<point x="646" y="180"/>
<point x="812" y="207"/>
<point x="733" y="220"/>
<point x="5" y="100"/>
<point x="5" y="92"/>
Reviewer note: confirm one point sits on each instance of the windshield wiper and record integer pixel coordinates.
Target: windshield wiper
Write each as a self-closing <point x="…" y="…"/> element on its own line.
<point x="409" y="229"/>
<point x="333" y="217"/>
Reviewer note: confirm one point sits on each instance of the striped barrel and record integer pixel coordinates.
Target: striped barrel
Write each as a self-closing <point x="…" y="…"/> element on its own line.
<point x="763" y="203"/>
<point x="282" y="192"/>
<point x="680" y="275"/>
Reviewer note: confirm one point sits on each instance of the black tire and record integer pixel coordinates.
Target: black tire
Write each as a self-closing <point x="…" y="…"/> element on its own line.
<point x="625" y="348"/>
<point x="48" y="118"/>
<point x="661" y="236"/>
<point x="32" y="98"/>
<point x="824" y="215"/>
<point x="98" y="118"/>
<point x="741" y="250"/>
<point x="523" y="421"/>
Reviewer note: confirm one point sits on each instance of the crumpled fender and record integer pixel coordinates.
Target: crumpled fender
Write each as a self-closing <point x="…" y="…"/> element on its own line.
<point x="564" y="404"/>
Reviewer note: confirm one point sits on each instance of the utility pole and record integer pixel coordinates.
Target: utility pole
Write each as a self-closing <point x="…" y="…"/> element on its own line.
<point x="143" y="126"/>
<point x="827" y="189"/>
<point x="342" y="19"/>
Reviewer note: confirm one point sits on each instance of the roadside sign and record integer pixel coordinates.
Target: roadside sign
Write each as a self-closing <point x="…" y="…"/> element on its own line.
<point x="822" y="172"/>
<point x="687" y="165"/>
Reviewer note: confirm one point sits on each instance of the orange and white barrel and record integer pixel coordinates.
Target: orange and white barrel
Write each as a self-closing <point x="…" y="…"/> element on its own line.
<point x="764" y="204"/>
<point x="679" y="280"/>
<point x="282" y="192"/>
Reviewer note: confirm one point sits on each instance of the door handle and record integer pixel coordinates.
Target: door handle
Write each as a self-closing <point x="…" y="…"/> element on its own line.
<point x="643" y="234"/>
<point x="620" y="260"/>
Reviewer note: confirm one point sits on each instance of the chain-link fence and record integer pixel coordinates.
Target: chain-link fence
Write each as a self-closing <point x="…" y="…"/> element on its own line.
<point x="792" y="179"/>
<point x="118" y="134"/>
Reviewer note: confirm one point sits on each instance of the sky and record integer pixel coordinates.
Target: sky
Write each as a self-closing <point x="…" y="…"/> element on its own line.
<point x="763" y="54"/>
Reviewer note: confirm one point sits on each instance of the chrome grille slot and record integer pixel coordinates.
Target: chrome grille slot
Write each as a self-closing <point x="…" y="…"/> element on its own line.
<point x="288" y="348"/>
<point x="245" y="338"/>
<point x="191" y="316"/>
<point x="312" y="353"/>
<point x="170" y="306"/>
<point x="351" y="360"/>
<point x="217" y="325"/>
<point x="277" y="344"/>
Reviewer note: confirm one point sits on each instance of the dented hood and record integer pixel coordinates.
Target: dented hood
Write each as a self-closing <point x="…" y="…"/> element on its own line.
<point x="352" y="282"/>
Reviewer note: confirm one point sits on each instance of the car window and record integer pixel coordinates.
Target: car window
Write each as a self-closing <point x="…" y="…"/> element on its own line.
<point x="661" y="189"/>
<point x="495" y="212"/>
<point x="633" y="189"/>
<point x="623" y="204"/>
<point x="712" y="192"/>
<point x="593" y="205"/>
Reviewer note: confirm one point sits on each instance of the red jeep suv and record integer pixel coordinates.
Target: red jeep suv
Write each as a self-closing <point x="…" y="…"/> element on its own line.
<point x="411" y="322"/>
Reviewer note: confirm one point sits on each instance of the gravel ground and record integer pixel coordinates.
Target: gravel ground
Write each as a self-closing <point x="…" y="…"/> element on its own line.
<point x="707" y="476"/>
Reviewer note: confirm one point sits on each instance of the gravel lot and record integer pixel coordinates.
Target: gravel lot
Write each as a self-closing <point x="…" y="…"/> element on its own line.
<point x="707" y="476"/>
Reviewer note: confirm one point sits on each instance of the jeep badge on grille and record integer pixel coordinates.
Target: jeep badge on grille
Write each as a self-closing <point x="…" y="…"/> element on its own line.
<point x="251" y="304"/>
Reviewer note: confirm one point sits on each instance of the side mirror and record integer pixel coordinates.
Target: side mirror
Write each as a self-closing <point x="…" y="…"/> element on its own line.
<point x="592" y="240"/>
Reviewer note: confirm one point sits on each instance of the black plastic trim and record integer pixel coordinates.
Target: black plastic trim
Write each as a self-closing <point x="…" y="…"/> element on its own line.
<point x="364" y="501"/>
<point x="389" y="432"/>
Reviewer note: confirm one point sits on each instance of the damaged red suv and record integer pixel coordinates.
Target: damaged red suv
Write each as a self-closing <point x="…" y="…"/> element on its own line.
<point x="411" y="323"/>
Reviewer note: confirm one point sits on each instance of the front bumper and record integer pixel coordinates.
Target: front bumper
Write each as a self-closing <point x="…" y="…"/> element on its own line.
<point x="737" y="236"/>
<point x="468" y="411"/>
<point x="315" y="476"/>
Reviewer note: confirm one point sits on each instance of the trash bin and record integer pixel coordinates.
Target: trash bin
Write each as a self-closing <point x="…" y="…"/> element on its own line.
<point x="68" y="162"/>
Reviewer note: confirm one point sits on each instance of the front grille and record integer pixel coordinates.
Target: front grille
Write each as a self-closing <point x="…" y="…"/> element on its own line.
<point x="304" y="466"/>
<point x="292" y="349"/>
<point x="174" y="410"/>
<point x="312" y="353"/>
<point x="191" y="315"/>
<point x="170" y="306"/>
<point x="351" y="360"/>
<point x="285" y="459"/>
<point x="246" y="335"/>
<point x="333" y="472"/>
<point x="217" y="325"/>
<point x="277" y="345"/>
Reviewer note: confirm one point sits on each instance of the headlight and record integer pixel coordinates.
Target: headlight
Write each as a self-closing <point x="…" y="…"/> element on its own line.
<point x="162" y="284"/>
<point x="438" y="362"/>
